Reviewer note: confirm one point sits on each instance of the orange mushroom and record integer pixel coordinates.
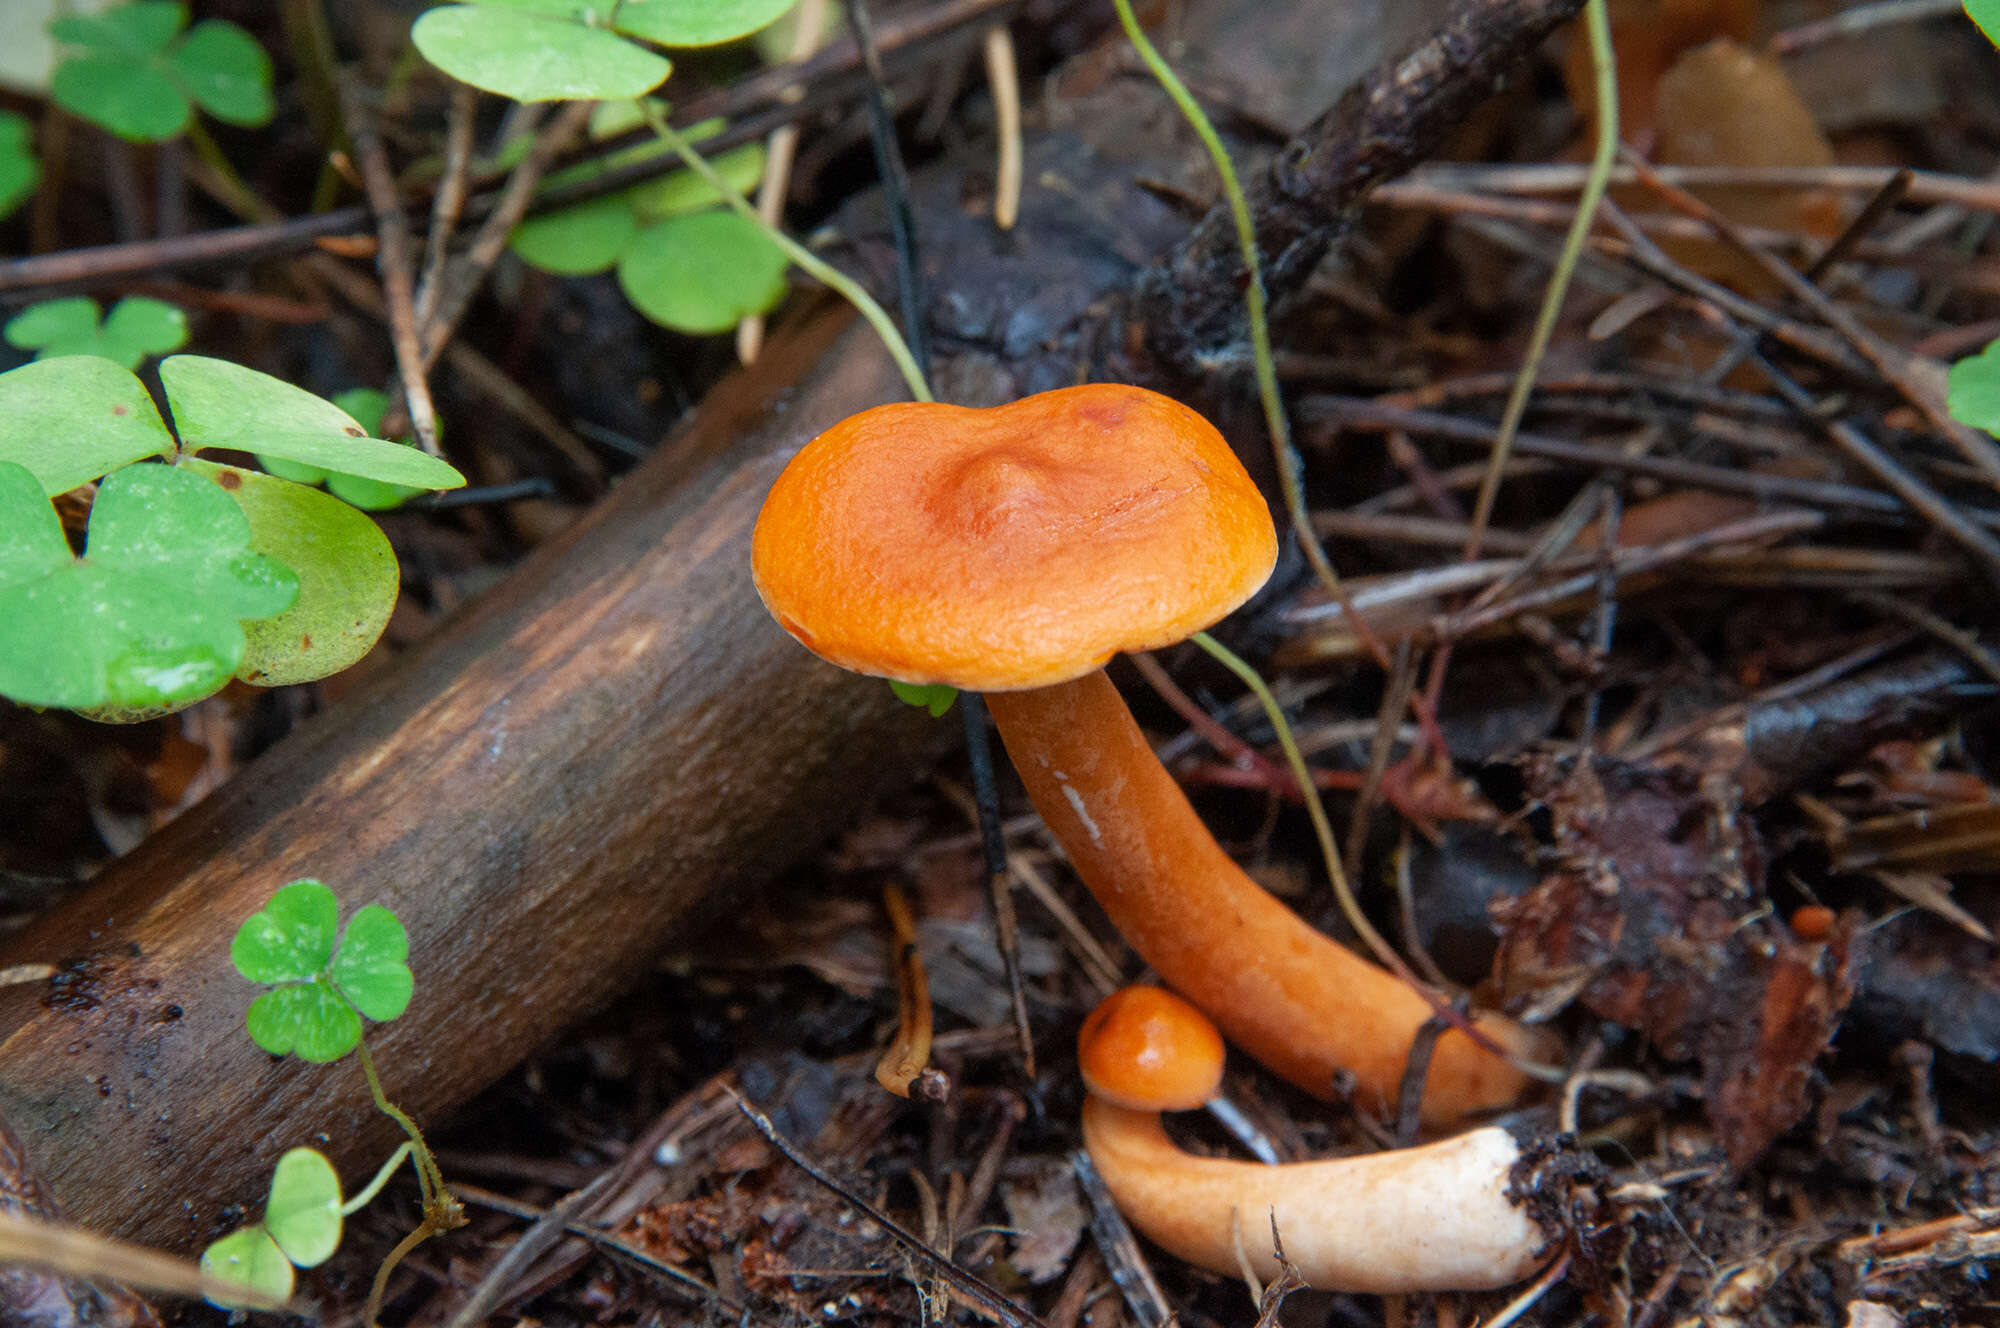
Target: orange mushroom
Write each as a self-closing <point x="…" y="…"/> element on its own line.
<point x="1443" y="1217"/>
<point x="1015" y="550"/>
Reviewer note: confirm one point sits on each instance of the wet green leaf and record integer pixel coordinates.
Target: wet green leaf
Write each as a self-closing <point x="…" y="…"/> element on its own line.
<point x="217" y="404"/>
<point x="302" y="1214"/>
<point x="148" y="617"/>
<point x="348" y="577"/>
<point x="702" y="273"/>
<point x="250" y="1259"/>
<point x="535" y="52"/>
<point x="291" y="938"/>
<point x="137" y="327"/>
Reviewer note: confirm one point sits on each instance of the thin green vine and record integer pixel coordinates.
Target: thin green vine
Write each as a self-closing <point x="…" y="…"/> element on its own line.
<point x="1315" y="807"/>
<point x="1253" y="298"/>
<point x="442" y="1211"/>
<point x="1604" y="71"/>
<point x="1342" y="889"/>
<point x="848" y="288"/>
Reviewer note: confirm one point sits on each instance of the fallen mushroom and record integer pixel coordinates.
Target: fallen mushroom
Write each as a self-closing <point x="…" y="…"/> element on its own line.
<point x="1443" y="1217"/>
<point x="1015" y="550"/>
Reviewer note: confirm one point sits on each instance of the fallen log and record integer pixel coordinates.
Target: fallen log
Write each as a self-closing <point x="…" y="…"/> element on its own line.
<point x="543" y="793"/>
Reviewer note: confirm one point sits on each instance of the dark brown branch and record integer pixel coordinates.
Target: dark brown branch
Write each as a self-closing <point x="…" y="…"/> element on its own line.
<point x="1191" y="305"/>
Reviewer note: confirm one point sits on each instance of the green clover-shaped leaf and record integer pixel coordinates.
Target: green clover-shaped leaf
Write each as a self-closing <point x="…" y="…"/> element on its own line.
<point x="306" y="1019"/>
<point x="73" y="419"/>
<point x="935" y="697"/>
<point x="348" y="576"/>
<point x="128" y="71"/>
<point x="697" y="22"/>
<point x="591" y="236"/>
<point x="1986" y="13"/>
<point x="225" y="71"/>
<point x="303" y="1211"/>
<point x="1973" y="386"/>
<point x="137" y="327"/>
<point x="702" y="273"/>
<point x="19" y="171"/>
<point x="580" y="240"/>
<point x="148" y="618"/>
<point x="537" y="50"/>
<point x="290" y="939"/>
<point x="250" y="1259"/>
<point x="217" y="404"/>
<point x="328" y="985"/>
<point x="369" y="968"/>
<point x="367" y="405"/>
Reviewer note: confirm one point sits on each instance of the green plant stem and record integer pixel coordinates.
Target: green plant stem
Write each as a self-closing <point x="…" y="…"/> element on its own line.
<point x="430" y="1179"/>
<point x="848" y="288"/>
<point x="236" y="193"/>
<point x="1604" y="69"/>
<point x="1253" y="299"/>
<point x="1315" y="807"/>
<point x="374" y="1187"/>
<point x="1342" y="889"/>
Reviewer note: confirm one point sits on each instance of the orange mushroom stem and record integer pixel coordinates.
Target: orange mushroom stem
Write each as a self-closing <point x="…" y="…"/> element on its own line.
<point x="1015" y="550"/>
<point x="1442" y="1217"/>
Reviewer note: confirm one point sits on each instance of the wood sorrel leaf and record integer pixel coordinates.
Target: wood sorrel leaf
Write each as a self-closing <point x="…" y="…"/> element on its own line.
<point x="147" y="619"/>
<point x="73" y="419"/>
<point x="217" y="404"/>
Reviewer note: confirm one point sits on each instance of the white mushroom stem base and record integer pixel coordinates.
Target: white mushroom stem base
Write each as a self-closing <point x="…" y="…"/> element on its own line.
<point x="1435" y="1218"/>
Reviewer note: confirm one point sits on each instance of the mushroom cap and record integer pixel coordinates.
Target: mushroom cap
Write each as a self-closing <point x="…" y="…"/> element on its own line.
<point x="1146" y="1049"/>
<point x="1012" y="547"/>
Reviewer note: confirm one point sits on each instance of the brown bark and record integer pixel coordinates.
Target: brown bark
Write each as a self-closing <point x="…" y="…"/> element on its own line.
<point x="543" y="793"/>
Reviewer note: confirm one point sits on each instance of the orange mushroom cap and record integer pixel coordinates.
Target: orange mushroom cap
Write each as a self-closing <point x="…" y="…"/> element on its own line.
<point x="1012" y="547"/>
<point x="1147" y="1049"/>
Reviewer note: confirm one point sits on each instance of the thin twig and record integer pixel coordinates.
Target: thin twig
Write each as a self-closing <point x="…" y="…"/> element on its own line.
<point x="464" y="275"/>
<point x="1861" y="18"/>
<point x="450" y="196"/>
<point x="895" y="178"/>
<point x="1005" y="80"/>
<point x="1939" y="510"/>
<point x="971" y="1288"/>
<point x="780" y="149"/>
<point x="392" y="261"/>
<point x="1974" y="445"/>
<point x="1128" y="1267"/>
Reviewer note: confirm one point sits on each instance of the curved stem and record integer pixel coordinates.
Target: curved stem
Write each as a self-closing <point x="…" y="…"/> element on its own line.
<point x="1285" y="992"/>
<point x="1253" y="298"/>
<point x="1604" y="67"/>
<point x="1350" y="907"/>
<point x="374" y="1187"/>
<point x="848" y="287"/>
<point x="1343" y="891"/>
<point x="430" y="1179"/>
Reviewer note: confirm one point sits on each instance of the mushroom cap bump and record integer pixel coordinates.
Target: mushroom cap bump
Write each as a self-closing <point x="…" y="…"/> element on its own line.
<point x="1147" y="1049"/>
<point x="1011" y="547"/>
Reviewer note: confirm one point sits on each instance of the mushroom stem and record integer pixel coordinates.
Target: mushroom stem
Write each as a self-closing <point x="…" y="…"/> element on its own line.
<point x="1291" y="996"/>
<point x="1435" y="1218"/>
